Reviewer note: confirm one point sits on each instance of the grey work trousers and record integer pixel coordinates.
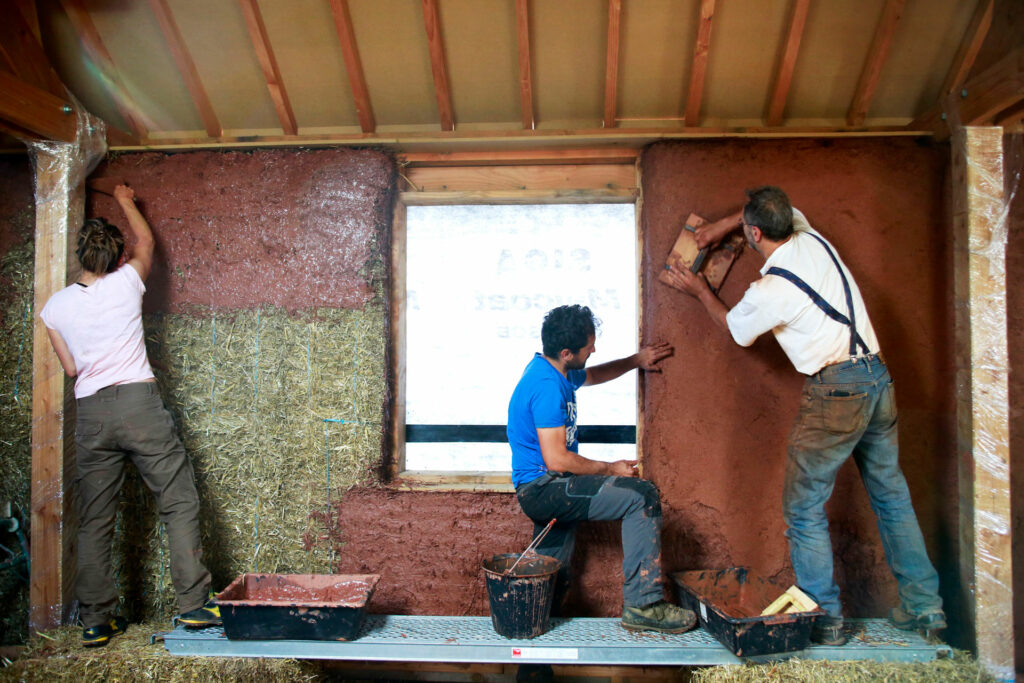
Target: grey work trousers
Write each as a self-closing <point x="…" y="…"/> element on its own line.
<point x="572" y="499"/>
<point x="116" y="423"/>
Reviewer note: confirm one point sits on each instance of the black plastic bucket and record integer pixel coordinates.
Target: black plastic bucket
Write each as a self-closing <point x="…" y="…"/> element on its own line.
<point x="521" y="601"/>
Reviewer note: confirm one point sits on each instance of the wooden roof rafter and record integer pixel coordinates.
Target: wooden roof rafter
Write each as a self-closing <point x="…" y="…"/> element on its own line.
<point x="265" y="54"/>
<point x="971" y="44"/>
<point x="611" y="70"/>
<point x="525" y="77"/>
<point x="873" y="63"/>
<point x="699" y="67"/>
<point x="187" y="67"/>
<point x="93" y="44"/>
<point x="438" y="66"/>
<point x="787" y="63"/>
<point x="1010" y="116"/>
<point x="991" y="94"/>
<point x="353" y="65"/>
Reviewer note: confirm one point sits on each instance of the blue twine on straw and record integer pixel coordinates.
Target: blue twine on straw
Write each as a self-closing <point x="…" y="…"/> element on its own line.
<point x="256" y="364"/>
<point x="213" y="378"/>
<point x="21" y="347"/>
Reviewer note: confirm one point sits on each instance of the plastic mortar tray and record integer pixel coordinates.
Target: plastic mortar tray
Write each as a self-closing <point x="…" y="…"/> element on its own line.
<point x="295" y="606"/>
<point x="729" y="603"/>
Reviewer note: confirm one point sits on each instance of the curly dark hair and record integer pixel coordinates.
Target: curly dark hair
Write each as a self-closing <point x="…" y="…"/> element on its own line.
<point x="769" y="209"/>
<point x="567" y="327"/>
<point x="100" y="246"/>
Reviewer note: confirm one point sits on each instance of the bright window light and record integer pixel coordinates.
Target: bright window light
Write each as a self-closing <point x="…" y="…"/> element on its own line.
<point x="479" y="280"/>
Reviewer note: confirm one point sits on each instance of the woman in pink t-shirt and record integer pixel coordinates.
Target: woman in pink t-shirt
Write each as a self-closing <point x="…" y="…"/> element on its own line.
<point x="95" y="326"/>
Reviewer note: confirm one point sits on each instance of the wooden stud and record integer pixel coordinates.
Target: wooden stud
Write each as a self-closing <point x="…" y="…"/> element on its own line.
<point x="353" y="65"/>
<point x="187" y="67"/>
<point x="610" y="155"/>
<point x="438" y="66"/>
<point x="35" y="110"/>
<point x="979" y="246"/>
<point x="397" y="335"/>
<point x="971" y="43"/>
<point x="525" y="79"/>
<point x="877" y="54"/>
<point x="698" y="70"/>
<point x="548" y="177"/>
<point x="265" y="53"/>
<point x="784" y="72"/>
<point x="611" y="65"/>
<point x="60" y="209"/>
<point x="97" y="51"/>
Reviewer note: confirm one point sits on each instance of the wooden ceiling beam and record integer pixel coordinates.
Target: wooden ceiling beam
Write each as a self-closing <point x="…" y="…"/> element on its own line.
<point x="611" y="64"/>
<point x="353" y="65"/>
<point x="525" y="78"/>
<point x="40" y="112"/>
<point x="877" y="54"/>
<point x="265" y="53"/>
<point x="784" y="72"/>
<point x="438" y="66"/>
<point x="84" y="27"/>
<point x="698" y="69"/>
<point x="970" y="45"/>
<point x="981" y="99"/>
<point x="1010" y="116"/>
<point x="187" y="67"/>
<point x="23" y="54"/>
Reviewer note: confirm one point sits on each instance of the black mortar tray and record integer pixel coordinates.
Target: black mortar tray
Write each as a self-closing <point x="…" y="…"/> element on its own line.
<point x="729" y="603"/>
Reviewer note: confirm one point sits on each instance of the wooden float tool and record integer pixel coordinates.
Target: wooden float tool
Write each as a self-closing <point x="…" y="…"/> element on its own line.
<point x="793" y="600"/>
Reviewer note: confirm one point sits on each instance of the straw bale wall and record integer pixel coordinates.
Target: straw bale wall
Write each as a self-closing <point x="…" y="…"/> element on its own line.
<point x="266" y="326"/>
<point x="16" y="277"/>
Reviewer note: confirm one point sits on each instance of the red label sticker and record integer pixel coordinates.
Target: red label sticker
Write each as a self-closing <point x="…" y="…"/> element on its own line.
<point x="516" y="652"/>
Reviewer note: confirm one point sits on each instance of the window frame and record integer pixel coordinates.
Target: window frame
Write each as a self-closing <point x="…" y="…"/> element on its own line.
<point x="494" y="185"/>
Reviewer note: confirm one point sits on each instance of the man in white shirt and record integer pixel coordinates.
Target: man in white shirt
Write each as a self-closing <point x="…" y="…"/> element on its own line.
<point x="809" y="300"/>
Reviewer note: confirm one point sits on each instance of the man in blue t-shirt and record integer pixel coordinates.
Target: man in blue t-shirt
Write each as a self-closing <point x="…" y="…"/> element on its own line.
<point x="553" y="480"/>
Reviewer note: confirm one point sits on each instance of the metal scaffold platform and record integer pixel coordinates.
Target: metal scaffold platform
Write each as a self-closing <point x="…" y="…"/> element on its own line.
<point x="394" y="638"/>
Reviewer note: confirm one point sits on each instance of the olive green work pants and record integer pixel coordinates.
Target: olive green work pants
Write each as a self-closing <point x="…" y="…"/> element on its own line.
<point x="117" y="423"/>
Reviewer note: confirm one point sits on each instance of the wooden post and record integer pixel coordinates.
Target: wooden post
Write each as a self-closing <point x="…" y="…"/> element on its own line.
<point x="60" y="170"/>
<point x="979" y="239"/>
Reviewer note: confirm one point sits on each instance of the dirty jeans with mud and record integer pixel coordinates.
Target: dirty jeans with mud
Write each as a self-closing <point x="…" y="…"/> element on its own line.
<point x="850" y="408"/>
<point x="572" y="499"/>
<point x="117" y="423"/>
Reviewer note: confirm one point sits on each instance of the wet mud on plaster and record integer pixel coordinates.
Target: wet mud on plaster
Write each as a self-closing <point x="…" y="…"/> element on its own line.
<point x="717" y="418"/>
<point x="271" y="227"/>
<point x="429" y="549"/>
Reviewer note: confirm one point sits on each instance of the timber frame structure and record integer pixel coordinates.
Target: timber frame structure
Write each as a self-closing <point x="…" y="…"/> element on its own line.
<point x="980" y="98"/>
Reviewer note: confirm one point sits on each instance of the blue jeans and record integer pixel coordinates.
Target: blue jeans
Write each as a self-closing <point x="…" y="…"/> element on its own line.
<point x="850" y="408"/>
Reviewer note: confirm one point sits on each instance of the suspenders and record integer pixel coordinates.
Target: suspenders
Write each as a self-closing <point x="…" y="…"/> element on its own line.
<point x="851" y="322"/>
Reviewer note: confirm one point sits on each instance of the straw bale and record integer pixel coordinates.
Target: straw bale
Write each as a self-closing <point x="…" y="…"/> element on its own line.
<point x="16" y="275"/>
<point x="259" y="396"/>
<point x="961" y="668"/>
<point x="59" y="656"/>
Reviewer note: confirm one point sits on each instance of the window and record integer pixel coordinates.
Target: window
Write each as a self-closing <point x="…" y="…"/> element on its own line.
<point x="478" y="281"/>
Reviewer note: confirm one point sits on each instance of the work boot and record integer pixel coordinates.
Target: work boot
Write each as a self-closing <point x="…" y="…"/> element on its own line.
<point x="201" y="617"/>
<point x="828" y="630"/>
<point x="659" y="616"/>
<point x="929" y="624"/>
<point x="98" y="636"/>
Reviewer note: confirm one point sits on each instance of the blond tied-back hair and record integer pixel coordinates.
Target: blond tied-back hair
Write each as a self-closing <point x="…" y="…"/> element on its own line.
<point x="100" y="246"/>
